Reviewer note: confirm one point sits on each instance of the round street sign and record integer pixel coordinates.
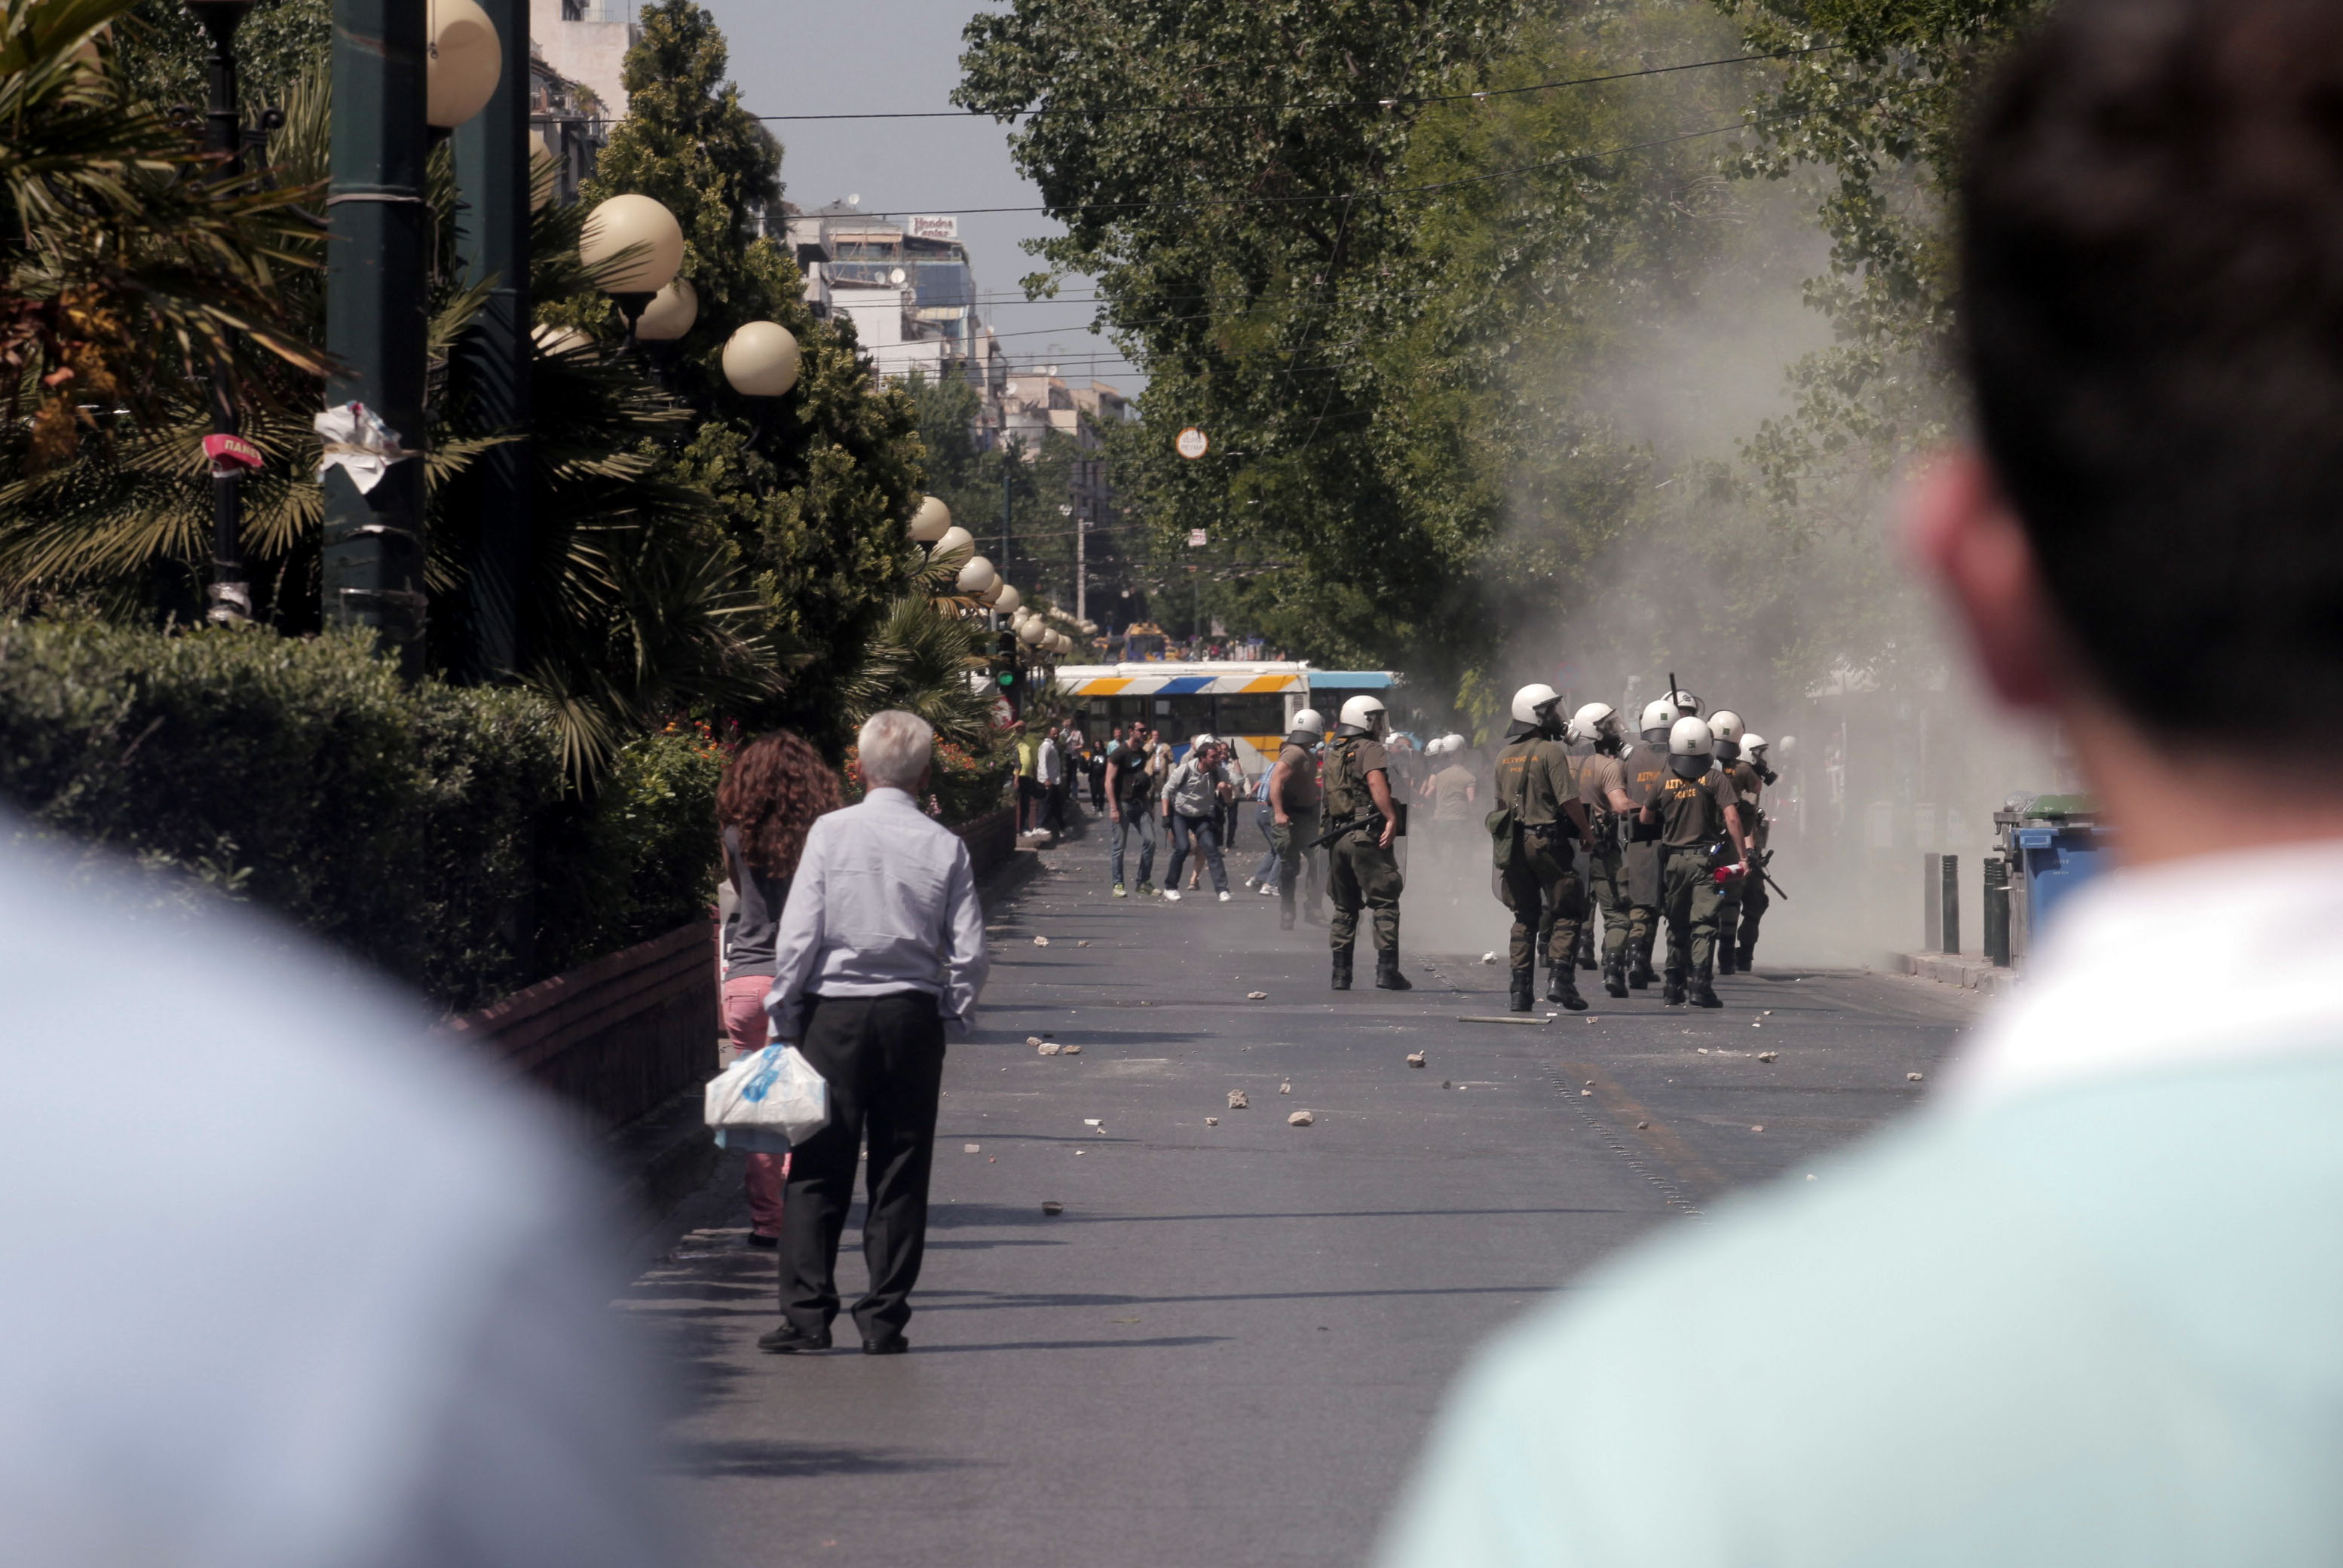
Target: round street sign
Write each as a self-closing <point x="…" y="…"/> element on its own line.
<point x="1191" y="443"/>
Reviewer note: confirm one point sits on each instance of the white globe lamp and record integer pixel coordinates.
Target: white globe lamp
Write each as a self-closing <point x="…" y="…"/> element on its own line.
<point x="761" y="360"/>
<point x="976" y="575"/>
<point x="670" y="313"/>
<point x="931" y="522"/>
<point x="636" y="247"/>
<point x="464" y="60"/>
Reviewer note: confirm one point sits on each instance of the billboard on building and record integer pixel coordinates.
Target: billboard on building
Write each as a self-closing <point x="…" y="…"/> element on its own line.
<point x="933" y="228"/>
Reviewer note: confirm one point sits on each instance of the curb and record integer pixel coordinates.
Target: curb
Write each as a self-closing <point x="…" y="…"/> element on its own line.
<point x="1954" y="969"/>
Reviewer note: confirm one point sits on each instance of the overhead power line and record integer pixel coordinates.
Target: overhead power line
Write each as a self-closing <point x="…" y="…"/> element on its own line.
<point x="1200" y="203"/>
<point x="1411" y="101"/>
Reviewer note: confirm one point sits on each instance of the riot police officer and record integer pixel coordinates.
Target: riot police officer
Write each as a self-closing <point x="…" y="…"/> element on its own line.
<point x="1644" y="767"/>
<point x="1293" y="814"/>
<point x="1538" y="829"/>
<point x="1603" y="790"/>
<point x="1751" y="776"/>
<point x="1695" y="813"/>
<point x="1725" y="730"/>
<point x="1362" y="871"/>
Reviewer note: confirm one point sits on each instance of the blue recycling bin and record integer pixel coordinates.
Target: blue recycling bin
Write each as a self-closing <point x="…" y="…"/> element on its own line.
<point x="2056" y="859"/>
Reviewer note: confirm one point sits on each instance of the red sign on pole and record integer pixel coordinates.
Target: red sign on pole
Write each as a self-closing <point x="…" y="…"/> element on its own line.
<point x="230" y="453"/>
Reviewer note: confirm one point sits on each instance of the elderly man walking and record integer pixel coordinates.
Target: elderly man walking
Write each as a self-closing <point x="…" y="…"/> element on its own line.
<point x="880" y="951"/>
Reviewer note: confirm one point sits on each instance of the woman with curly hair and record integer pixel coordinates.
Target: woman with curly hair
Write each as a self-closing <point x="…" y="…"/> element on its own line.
<point x="773" y="789"/>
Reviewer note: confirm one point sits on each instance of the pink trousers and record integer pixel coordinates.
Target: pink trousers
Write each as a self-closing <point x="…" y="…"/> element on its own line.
<point x="745" y="1025"/>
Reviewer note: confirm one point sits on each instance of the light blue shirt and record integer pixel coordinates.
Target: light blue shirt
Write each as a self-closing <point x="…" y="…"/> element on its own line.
<point x="2086" y="1311"/>
<point x="884" y="901"/>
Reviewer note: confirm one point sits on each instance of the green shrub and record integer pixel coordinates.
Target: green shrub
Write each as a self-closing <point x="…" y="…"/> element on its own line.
<point x="965" y="784"/>
<point x="426" y="830"/>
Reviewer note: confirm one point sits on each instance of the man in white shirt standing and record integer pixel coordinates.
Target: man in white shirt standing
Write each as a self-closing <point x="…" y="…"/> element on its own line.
<point x="880" y="953"/>
<point x="2085" y="1309"/>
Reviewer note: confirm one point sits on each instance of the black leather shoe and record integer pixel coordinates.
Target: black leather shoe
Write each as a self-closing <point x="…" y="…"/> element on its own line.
<point x="892" y="1345"/>
<point x="1615" y="980"/>
<point x="1673" y="993"/>
<point x="1519" y="997"/>
<point x="1342" y="969"/>
<point x="1387" y="975"/>
<point x="767" y="1242"/>
<point x="1702" y="995"/>
<point x="788" y="1340"/>
<point x="1564" y="990"/>
<point x="1641" y="977"/>
<point x="1748" y="958"/>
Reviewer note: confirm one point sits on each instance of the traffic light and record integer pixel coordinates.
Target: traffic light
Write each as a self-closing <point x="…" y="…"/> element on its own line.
<point x="1004" y="669"/>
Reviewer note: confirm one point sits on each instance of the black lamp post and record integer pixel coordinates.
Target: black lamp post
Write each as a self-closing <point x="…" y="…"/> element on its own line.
<point x="230" y="454"/>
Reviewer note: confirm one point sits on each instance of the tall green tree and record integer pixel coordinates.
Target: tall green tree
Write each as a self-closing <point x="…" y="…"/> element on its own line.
<point x="814" y="493"/>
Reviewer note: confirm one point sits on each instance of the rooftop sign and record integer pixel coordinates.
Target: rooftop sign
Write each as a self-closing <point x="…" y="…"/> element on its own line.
<point x="933" y="227"/>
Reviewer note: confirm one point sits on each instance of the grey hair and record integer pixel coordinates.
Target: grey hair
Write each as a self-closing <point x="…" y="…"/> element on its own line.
<point x="896" y="748"/>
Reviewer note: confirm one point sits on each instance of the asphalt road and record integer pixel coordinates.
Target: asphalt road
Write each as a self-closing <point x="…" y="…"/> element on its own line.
<point x="1226" y="1348"/>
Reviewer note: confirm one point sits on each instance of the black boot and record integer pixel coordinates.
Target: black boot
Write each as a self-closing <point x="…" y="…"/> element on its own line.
<point x="1586" y="947"/>
<point x="1615" y="978"/>
<point x="1702" y="994"/>
<point x="1724" y="958"/>
<point x="1342" y="969"/>
<point x="1673" y="993"/>
<point x="1748" y="956"/>
<point x="1641" y="976"/>
<point x="1524" y="987"/>
<point x="1387" y="975"/>
<point x="1562" y="986"/>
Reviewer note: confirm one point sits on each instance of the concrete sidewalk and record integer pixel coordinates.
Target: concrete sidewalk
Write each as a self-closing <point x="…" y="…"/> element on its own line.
<point x="1969" y="972"/>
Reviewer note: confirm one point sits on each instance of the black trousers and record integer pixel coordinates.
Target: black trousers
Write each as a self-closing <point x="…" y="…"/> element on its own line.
<point x="884" y="1056"/>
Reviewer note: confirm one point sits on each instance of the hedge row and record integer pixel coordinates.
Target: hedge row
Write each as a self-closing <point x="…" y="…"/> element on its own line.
<point x="426" y="830"/>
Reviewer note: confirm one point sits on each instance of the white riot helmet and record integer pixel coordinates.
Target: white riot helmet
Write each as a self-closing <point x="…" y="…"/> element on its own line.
<point x="1453" y="744"/>
<point x="1595" y="720"/>
<point x="1659" y="717"/>
<point x="1685" y="702"/>
<point x="1310" y="722"/>
<point x="1201" y="741"/>
<point x="1726" y="727"/>
<point x="1362" y="713"/>
<point x="1753" y="744"/>
<point x="1533" y="703"/>
<point x="1690" y="737"/>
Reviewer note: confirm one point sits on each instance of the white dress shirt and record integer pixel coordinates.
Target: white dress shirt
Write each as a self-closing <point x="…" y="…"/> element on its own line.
<point x="884" y="901"/>
<point x="2100" y="996"/>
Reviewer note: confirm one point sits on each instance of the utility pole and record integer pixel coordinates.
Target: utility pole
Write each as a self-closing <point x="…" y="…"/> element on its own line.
<point x="378" y="228"/>
<point x="493" y="172"/>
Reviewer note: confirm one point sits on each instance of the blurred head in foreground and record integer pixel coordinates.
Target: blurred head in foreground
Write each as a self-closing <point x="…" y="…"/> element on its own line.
<point x="2082" y="1308"/>
<point x="288" y="1284"/>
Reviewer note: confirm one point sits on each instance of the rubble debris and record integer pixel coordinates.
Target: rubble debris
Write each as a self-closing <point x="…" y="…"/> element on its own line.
<point x="1071" y="1050"/>
<point x="1082" y="944"/>
<point x="1642" y="1127"/>
<point x="1300" y="1119"/>
<point x="1237" y="1100"/>
<point x="1756" y="1129"/>
<point x="1769" y="1056"/>
<point x="1415" y="1059"/>
<point x="1054" y="1208"/>
<point x="1256" y="995"/>
<point x="1488" y="958"/>
<point x="1040" y="941"/>
<point x="1286" y="1087"/>
<point x="1049" y="1048"/>
<point x="971" y="1148"/>
<point x="1911" y="1078"/>
<point x="1211" y="1122"/>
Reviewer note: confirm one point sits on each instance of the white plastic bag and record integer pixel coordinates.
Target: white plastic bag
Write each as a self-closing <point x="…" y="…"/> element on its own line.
<point x="774" y="1090"/>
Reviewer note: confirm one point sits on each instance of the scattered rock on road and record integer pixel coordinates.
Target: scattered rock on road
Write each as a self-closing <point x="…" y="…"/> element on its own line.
<point x="1082" y="944"/>
<point x="1488" y="958"/>
<point x="1415" y="1059"/>
<point x="1300" y="1119"/>
<point x="1211" y="1122"/>
<point x="1769" y="1056"/>
<point x="1237" y="1100"/>
<point x="1911" y="1078"/>
<point x="1256" y="995"/>
<point x="1072" y="1050"/>
<point x="971" y="1148"/>
<point x="1285" y="1088"/>
<point x="1048" y="1047"/>
<point x="1054" y="1208"/>
<point x="1040" y="941"/>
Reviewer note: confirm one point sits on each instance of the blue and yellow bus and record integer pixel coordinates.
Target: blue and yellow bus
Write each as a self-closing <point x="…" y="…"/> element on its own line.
<point x="1250" y="703"/>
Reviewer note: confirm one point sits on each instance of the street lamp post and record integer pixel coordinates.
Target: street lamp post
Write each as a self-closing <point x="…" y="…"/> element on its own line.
<point x="230" y="592"/>
<point x="760" y="363"/>
<point x="494" y="167"/>
<point x="664" y="321"/>
<point x="378" y="227"/>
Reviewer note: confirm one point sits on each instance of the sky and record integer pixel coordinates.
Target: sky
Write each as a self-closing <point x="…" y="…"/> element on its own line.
<point x="798" y="57"/>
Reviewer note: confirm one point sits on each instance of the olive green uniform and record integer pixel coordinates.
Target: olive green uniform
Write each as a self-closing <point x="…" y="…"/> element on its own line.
<point x="1750" y="898"/>
<point x="1361" y="874"/>
<point x="1606" y="878"/>
<point x="1644" y="766"/>
<point x="1537" y="873"/>
<point x="1293" y="841"/>
<point x="1692" y="825"/>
